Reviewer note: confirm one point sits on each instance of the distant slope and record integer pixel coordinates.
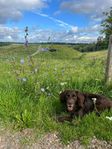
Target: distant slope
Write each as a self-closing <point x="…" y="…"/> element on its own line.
<point x="63" y="52"/>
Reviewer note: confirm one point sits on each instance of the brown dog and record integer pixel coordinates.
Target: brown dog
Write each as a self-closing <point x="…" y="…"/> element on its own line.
<point x="79" y="104"/>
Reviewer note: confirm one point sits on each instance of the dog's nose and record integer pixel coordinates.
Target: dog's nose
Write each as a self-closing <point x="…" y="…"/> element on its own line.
<point x="69" y="106"/>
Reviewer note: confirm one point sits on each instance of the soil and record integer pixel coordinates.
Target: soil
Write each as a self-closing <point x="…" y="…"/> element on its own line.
<point x="26" y="140"/>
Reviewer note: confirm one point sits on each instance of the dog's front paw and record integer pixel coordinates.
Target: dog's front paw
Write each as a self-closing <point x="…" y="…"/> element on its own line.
<point x="61" y="119"/>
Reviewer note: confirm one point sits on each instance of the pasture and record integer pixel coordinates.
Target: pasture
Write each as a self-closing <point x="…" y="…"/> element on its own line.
<point x="30" y="87"/>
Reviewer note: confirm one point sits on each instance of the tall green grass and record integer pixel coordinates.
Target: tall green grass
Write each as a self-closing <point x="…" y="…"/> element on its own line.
<point x="34" y="103"/>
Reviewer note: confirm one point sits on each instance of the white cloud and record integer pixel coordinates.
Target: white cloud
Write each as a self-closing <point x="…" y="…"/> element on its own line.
<point x="36" y="34"/>
<point x="91" y="29"/>
<point x="90" y="7"/>
<point x="70" y="28"/>
<point x="15" y="34"/>
<point x="74" y="29"/>
<point x="9" y="34"/>
<point x="87" y="39"/>
<point x="62" y="36"/>
<point x="12" y="9"/>
<point x="59" y="22"/>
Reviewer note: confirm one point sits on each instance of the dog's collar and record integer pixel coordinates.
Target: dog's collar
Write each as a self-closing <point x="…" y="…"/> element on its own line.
<point x="94" y="100"/>
<point x="95" y="108"/>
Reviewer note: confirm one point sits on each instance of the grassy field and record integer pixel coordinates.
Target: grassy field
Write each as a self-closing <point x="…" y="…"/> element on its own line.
<point x="30" y="87"/>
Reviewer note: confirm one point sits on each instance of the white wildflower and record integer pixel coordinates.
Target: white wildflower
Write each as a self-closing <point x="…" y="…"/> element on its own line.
<point x="110" y="118"/>
<point x="60" y="92"/>
<point x="22" y="61"/>
<point x="42" y="90"/>
<point x="55" y="69"/>
<point x="24" y="79"/>
<point x="36" y="69"/>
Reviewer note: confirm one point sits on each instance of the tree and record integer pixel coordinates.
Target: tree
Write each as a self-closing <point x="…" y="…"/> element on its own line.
<point x="108" y="73"/>
<point x="107" y="31"/>
<point x="100" y="44"/>
<point x="107" y="25"/>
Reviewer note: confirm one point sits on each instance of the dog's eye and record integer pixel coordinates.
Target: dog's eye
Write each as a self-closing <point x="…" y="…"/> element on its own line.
<point x="73" y="95"/>
<point x="68" y="95"/>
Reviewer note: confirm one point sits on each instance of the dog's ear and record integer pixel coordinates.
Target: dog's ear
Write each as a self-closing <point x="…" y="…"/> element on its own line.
<point x="80" y="99"/>
<point x="63" y="96"/>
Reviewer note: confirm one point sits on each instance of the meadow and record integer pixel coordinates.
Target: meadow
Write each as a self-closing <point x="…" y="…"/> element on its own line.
<point x="30" y="88"/>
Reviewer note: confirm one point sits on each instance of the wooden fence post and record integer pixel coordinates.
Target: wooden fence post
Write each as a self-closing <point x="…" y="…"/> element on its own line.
<point x="108" y="73"/>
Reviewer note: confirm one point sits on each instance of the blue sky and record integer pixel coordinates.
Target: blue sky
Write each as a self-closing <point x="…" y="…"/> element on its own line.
<point x="62" y="20"/>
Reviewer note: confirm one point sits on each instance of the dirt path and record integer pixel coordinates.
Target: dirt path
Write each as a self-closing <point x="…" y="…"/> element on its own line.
<point x="25" y="140"/>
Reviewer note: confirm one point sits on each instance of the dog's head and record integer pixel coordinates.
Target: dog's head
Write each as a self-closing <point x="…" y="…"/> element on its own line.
<point x="72" y="99"/>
